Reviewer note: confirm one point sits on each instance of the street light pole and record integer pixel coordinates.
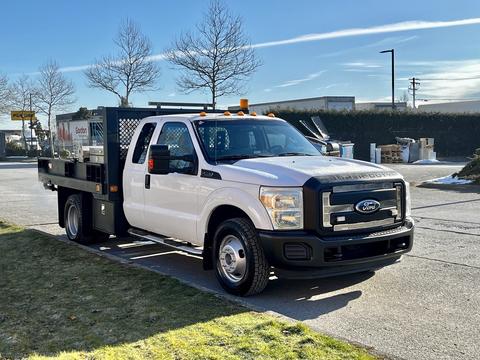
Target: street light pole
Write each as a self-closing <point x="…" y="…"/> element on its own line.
<point x="392" y="51"/>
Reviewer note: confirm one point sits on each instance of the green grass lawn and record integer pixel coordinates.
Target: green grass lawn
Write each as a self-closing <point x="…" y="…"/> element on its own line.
<point x="58" y="300"/>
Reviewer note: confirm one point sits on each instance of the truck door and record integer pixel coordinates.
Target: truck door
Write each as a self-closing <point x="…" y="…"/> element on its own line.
<point x="134" y="176"/>
<point x="171" y="199"/>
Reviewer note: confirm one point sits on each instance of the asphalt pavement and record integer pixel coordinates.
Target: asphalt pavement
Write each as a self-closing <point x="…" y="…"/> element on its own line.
<point x="425" y="307"/>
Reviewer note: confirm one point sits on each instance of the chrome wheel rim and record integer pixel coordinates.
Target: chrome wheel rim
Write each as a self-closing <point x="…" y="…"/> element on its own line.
<point x="72" y="220"/>
<point x="232" y="261"/>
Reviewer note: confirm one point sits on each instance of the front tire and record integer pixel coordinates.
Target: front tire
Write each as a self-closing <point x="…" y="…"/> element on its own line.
<point x="78" y="222"/>
<point x="240" y="263"/>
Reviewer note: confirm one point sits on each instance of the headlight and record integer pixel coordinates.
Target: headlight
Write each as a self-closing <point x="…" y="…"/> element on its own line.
<point x="285" y="207"/>
<point x="408" y="206"/>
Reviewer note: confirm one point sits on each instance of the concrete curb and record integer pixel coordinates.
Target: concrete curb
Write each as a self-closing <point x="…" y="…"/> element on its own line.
<point x="19" y="160"/>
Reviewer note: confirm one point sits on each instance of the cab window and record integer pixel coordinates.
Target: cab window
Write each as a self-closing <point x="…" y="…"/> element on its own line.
<point x="176" y="136"/>
<point x="141" y="147"/>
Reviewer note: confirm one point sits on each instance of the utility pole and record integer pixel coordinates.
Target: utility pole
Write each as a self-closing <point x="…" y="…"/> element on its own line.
<point x="413" y="88"/>
<point x="31" y="124"/>
<point x="392" y="51"/>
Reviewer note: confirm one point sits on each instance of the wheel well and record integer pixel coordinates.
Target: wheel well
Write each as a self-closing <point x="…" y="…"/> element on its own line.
<point x="220" y="214"/>
<point x="63" y="195"/>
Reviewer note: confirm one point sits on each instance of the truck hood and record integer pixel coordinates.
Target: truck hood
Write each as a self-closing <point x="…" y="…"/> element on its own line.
<point x="296" y="170"/>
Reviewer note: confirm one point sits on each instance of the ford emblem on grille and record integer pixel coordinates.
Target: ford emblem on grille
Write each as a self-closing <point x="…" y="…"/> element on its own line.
<point x="367" y="206"/>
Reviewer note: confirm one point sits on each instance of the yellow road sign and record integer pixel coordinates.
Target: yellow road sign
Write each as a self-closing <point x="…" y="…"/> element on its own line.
<point x="23" y="115"/>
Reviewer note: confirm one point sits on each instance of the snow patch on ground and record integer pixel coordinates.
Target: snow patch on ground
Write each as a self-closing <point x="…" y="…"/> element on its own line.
<point x="426" y="162"/>
<point x="449" y="180"/>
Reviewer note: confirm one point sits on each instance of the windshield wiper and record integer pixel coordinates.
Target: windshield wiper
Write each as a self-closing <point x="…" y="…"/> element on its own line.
<point x="294" y="154"/>
<point x="240" y="157"/>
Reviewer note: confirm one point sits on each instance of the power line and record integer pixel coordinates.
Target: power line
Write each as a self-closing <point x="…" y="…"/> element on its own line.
<point x="449" y="99"/>
<point x="454" y="79"/>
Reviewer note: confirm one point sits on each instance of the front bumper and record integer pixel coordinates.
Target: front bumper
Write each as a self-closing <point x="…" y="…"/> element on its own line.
<point x="303" y="254"/>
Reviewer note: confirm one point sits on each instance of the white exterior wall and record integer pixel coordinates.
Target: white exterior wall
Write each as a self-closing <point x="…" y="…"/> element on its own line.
<point x="320" y="103"/>
<point x="380" y="106"/>
<point x="452" y="107"/>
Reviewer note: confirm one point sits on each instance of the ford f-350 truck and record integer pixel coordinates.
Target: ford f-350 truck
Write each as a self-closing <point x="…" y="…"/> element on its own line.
<point x="248" y="193"/>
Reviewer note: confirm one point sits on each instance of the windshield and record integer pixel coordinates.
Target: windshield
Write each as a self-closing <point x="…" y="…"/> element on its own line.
<point x="230" y="140"/>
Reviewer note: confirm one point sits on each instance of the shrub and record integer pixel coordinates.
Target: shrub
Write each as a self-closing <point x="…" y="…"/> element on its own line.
<point x="471" y="171"/>
<point x="14" y="149"/>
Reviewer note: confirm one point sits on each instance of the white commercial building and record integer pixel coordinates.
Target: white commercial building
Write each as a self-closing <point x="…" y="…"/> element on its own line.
<point x="472" y="106"/>
<point x="316" y="103"/>
<point x="380" y="106"/>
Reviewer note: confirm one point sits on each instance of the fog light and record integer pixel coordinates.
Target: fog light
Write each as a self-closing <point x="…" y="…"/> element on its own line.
<point x="295" y="251"/>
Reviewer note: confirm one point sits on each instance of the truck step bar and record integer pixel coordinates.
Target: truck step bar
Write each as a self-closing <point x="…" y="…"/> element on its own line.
<point x="168" y="241"/>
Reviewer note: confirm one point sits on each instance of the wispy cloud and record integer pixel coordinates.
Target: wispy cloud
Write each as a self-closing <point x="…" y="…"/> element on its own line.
<point x="359" y="70"/>
<point x="389" y="28"/>
<point x="382" y="29"/>
<point x="383" y="75"/>
<point x="334" y="85"/>
<point x="300" y="81"/>
<point x="360" y="64"/>
<point x="452" y="79"/>
<point x="388" y="41"/>
<point x="392" y="40"/>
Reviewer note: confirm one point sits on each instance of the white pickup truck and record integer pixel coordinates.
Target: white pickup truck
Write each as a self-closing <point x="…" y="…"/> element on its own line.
<point x="250" y="194"/>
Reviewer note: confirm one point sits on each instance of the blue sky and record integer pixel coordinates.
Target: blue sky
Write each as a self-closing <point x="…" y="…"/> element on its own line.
<point x="309" y="48"/>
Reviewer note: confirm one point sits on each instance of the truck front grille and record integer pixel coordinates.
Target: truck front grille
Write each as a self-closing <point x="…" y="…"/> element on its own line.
<point x="339" y="206"/>
<point x="360" y="251"/>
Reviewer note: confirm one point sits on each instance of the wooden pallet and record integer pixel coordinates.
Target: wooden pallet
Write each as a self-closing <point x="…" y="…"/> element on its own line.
<point x="391" y="153"/>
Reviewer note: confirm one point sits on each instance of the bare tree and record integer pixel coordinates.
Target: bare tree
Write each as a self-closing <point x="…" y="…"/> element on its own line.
<point x="217" y="57"/>
<point x="4" y="94"/>
<point x="54" y="93"/>
<point x="404" y="97"/>
<point x="130" y="70"/>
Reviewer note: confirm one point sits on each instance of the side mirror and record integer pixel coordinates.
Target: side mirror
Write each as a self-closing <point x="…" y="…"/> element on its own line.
<point x="159" y="159"/>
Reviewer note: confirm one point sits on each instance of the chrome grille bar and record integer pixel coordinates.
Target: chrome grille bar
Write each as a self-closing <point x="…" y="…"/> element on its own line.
<point x="326" y="209"/>
<point x="364" y="225"/>
<point x="362" y="187"/>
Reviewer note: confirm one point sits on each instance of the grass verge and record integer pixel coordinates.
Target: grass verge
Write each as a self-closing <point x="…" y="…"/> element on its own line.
<point x="58" y="300"/>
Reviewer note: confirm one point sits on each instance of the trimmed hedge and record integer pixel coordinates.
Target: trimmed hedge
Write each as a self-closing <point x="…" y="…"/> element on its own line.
<point x="456" y="135"/>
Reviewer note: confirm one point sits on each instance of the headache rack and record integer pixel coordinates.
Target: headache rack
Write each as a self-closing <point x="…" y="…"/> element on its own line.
<point x="110" y="132"/>
<point x="114" y="129"/>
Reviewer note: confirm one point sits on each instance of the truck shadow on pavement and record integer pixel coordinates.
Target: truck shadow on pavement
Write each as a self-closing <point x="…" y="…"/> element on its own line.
<point x="298" y="299"/>
<point x="310" y="299"/>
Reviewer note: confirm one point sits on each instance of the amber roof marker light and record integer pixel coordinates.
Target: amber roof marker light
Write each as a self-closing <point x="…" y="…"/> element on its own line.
<point x="203" y="113"/>
<point x="243" y="104"/>
<point x="271" y="115"/>
<point x="227" y="113"/>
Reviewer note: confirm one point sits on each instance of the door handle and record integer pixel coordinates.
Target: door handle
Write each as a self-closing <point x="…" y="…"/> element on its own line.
<point x="147" y="181"/>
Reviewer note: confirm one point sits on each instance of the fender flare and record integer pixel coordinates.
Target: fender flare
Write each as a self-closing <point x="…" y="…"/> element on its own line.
<point x="238" y="198"/>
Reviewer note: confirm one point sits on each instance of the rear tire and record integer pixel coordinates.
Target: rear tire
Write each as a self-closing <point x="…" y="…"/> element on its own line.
<point x="240" y="264"/>
<point x="78" y="222"/>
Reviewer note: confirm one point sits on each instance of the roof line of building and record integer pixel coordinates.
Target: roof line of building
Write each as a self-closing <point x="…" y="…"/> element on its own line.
<point x="346" y="98"/>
